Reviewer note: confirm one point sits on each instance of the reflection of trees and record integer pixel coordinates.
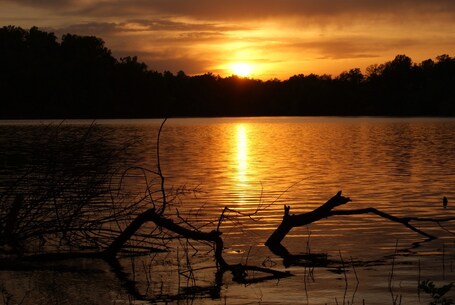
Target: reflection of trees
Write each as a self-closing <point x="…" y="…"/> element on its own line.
<point x="79" y="77"/>
<point x="403" y="153"/>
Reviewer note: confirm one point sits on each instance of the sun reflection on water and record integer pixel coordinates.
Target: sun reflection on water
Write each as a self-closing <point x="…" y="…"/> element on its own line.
<point x="242" y="154"/>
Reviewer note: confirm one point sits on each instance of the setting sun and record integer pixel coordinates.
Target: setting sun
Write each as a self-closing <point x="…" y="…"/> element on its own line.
<point x="241" y="69"/>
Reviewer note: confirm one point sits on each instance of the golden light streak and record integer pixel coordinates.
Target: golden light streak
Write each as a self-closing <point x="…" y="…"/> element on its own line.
<point x="242" y="154"/>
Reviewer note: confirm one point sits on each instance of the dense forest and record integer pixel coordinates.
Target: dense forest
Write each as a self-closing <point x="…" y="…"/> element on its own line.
<point x="42" y="76"/>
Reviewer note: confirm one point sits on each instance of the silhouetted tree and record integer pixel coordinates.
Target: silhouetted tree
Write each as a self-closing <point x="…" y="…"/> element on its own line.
<point x="79" y="77"/>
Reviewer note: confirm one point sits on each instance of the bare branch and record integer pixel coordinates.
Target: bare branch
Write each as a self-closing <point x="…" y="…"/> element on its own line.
<point x="403" y="220"/>
<point x="158" y="165"/>
<point x="327" y="210"/>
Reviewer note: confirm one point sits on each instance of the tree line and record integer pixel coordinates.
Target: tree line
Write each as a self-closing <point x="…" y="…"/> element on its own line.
<point x="76" y="76"/>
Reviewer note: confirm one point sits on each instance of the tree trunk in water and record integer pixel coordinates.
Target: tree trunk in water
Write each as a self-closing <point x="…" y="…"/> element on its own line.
<point x="290" y="221"/>
<point x="151" y="215"/>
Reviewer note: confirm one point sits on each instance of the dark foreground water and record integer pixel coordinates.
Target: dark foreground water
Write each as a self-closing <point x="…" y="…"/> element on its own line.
<point x="403" y="166"/>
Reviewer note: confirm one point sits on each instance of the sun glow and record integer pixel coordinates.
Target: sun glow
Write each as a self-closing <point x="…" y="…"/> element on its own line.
<point x="242" y="69"/>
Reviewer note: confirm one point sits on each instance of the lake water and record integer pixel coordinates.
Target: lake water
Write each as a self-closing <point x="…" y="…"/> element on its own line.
<point x="402" y="166"/>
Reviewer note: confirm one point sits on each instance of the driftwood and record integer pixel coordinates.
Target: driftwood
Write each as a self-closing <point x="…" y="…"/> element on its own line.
<point x="327" y="210"/>
<point x="290" y="221"/>
<point x="239" y="271"/>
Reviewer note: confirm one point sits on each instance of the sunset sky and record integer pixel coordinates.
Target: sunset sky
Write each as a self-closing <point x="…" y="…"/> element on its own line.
<point x="263" y="38"/>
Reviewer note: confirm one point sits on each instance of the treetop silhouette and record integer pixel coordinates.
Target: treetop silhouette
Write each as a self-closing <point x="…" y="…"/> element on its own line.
<point x="78" y="77"/>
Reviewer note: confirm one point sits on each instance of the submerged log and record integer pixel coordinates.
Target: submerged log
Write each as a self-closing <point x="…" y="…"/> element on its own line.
<point x="151" y="215"/>
<point x="326" y="210"/>
<point x="291" y="221"/>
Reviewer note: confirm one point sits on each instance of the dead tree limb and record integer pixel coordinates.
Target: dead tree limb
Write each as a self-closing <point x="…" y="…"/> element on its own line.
<point x="326" y="210"/>
<point x="151" y="215"/>
<point x="158" y="165"/>
<point x="238" y="271"/>
<point x="290" y="221"/>
<point x="403" y="220"/>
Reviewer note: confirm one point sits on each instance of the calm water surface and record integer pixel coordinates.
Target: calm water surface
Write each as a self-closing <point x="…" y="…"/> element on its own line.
<point x="403" y="166"/>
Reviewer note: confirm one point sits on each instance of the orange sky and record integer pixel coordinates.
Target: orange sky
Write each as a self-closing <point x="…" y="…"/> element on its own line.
<point x="276" y="39"/>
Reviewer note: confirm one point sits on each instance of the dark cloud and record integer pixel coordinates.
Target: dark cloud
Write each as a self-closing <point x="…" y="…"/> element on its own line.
<point x="246" y="9"/>
<point x="260" y="9"/>
<point x="167" y="25"/>
<point x="185" y="30"/>
<point x="170" y="25"/>
<point x="60" y="6"/>
<point x="43" y="3"/>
